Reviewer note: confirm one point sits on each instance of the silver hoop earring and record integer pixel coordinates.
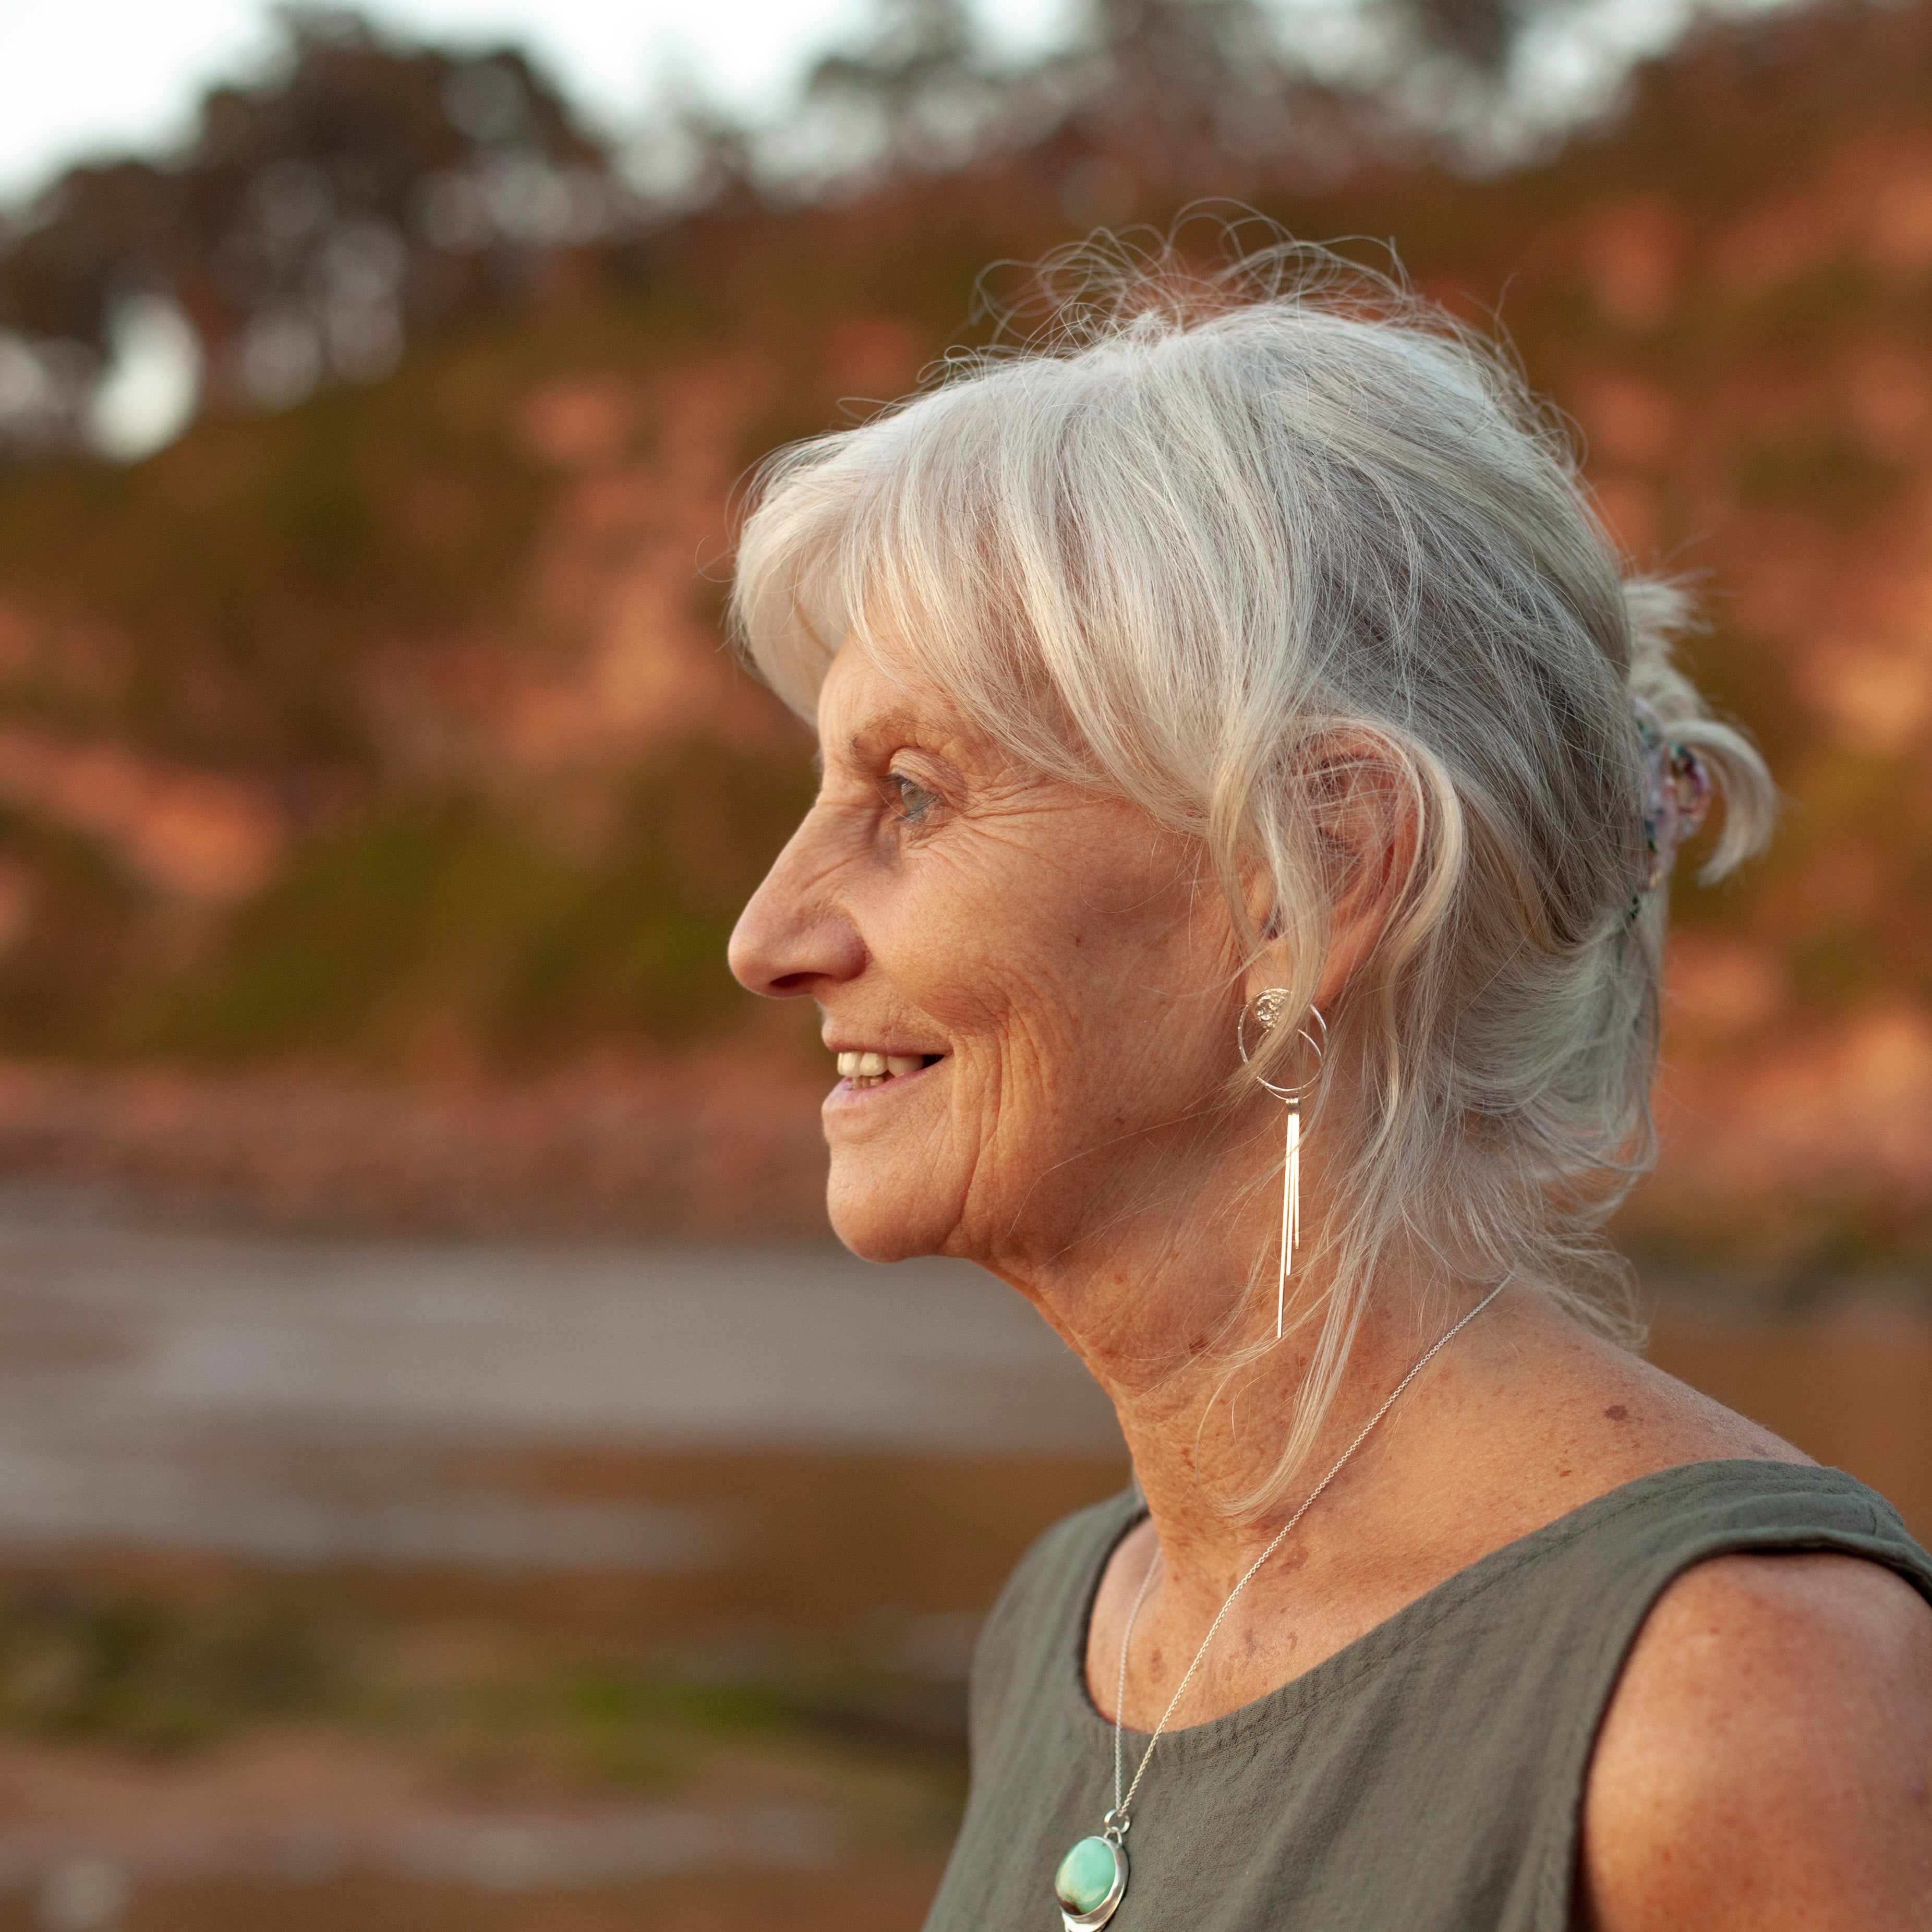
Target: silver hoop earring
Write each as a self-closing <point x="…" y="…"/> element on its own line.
<point x="1265" y="1010"/>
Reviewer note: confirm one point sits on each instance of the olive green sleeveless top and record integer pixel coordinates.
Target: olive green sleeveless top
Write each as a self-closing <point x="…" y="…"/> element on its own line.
<point x="1427" y="1778"/>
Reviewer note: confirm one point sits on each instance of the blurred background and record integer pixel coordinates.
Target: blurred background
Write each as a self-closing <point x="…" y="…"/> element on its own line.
<point x="447" y="1477"/>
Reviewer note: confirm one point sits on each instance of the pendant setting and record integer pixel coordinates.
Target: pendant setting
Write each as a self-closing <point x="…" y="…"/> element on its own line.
<point x="1092" y="1879"/>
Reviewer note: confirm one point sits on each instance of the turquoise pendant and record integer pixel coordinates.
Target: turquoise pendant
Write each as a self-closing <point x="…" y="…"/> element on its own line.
<point x="1090" y="1883"/>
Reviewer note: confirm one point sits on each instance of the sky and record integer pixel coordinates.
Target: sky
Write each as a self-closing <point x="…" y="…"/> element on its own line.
<point x="91" y="76"/>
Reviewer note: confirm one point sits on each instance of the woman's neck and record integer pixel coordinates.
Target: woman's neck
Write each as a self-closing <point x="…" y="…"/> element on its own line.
<point x="1165" y="1318"/>
<point x="1215" y="1436"/>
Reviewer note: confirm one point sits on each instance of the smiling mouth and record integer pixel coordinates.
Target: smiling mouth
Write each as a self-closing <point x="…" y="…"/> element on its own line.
<point x="876" y="1070"/>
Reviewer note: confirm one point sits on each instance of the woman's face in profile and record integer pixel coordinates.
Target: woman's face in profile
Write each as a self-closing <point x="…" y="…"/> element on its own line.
<point x="1043" y="972"/>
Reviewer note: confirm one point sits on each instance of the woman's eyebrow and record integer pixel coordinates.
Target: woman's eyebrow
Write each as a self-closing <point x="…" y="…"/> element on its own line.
<point x="860" y="741"/>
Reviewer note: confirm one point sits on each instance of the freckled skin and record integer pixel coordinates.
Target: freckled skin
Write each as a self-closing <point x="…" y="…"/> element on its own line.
<point x="1766" y="1758"/>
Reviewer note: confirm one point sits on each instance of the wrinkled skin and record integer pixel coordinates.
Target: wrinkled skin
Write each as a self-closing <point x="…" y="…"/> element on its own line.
<point x="938" y="901"/>
<point x="1071" y="976"/>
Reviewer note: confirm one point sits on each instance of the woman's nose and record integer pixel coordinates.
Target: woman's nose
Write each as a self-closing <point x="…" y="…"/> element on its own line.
<point x="794" y="938"/>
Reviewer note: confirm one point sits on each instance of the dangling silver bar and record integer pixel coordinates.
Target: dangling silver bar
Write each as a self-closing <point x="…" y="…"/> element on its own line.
<point x="1267" y="1008"/>
<point x="1291" y="1215"/>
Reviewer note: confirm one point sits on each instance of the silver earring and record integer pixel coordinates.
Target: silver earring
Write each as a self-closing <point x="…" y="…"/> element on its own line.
<point x="1265" y="1010"/>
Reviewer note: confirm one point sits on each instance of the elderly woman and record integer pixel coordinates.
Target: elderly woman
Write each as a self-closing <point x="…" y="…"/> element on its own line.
<point x="1235" y="900"/>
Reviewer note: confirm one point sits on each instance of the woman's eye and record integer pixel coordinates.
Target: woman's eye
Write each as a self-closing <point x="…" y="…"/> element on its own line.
<point x="912" y="799"/>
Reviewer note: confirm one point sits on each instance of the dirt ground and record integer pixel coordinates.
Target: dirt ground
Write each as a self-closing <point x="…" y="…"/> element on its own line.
<point x="296" y="1831"/>
<point x="887" y="1898"/>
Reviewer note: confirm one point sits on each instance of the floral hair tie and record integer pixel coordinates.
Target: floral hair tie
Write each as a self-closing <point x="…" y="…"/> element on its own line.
<point x="1676" y="795"/>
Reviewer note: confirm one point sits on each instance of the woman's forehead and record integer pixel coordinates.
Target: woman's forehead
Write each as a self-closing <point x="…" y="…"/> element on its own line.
<point x="861" y="701"/>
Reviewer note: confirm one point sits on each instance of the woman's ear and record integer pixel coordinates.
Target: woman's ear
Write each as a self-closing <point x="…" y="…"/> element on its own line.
<point x="1274" y="962"/>
<point x="1258" y="893"/>
<point x="1367" y="812"/>
<point x="1363" y="803"/>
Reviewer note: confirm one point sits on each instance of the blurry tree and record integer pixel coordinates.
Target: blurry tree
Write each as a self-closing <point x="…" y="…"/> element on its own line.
<point x="1479" y="33"/>
<point x="920" y="79"/>
<point x="366" y="190"/>
<point x="1149" y="98"/>
<point x="1150" y="102"/>
<point x="1188" y="83"/>
<point x="311" y="223"/>
<point x="1161" y="101"/>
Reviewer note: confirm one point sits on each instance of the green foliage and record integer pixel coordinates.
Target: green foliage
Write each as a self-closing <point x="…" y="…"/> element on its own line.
<point x="450" y="926"/>
<point x="81" y="925"/>
<point x="1803" y="310"/>
<point x="606" y="1703"/>
<point x="124" y="1667"/>
<point x="117" y="1663"/>
<point x="1828" y="475"/>
<point x="341" y="200"/>
<point x="249" y="575"/>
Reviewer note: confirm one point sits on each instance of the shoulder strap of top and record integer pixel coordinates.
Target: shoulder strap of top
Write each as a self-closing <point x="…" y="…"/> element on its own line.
<point x="1023" y="1647"/>
<point x="1646" y="1532"/>
<point x="1543" y="1627"/>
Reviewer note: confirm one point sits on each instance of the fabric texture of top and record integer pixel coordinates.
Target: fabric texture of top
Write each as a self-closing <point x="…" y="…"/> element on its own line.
<point x="1428" y="1777"/>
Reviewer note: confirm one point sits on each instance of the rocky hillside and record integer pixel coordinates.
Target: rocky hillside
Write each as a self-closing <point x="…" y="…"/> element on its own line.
<point x="388" y="735"/>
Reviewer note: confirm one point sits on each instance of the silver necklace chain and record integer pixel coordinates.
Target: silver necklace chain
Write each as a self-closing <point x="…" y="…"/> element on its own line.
<point x="1117" y="1819"/>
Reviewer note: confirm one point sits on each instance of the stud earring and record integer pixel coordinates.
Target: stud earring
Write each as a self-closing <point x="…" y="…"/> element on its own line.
<point x="1264" y="1012"/>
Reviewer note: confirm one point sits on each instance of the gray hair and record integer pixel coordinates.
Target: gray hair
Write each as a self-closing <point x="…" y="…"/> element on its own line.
<point x="1200" y="533"/>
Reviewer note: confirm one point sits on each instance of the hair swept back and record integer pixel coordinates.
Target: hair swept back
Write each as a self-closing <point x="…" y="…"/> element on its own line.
<point x="1196" y="529"/>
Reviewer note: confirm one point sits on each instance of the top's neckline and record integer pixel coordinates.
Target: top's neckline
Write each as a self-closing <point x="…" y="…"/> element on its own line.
<point x="1361" y="1654"/>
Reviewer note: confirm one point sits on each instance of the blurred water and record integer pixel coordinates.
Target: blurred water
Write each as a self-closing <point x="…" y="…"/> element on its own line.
<point x="306" y="1400"/>
<point x="302" y="1400"/>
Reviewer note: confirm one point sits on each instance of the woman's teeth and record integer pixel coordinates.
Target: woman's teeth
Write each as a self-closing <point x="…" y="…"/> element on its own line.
<point x="874" y="1069"/>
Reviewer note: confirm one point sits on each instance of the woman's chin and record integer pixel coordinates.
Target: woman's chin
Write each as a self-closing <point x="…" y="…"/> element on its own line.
<point x="878" y="1220"/>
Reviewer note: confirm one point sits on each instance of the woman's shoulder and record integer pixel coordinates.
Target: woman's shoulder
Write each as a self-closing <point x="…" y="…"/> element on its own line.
<point x="1556" y="1418"/>
<point x="1764" y="1749"/>
<point x="1766" y="1756"/>
<point x="1618" y="1470"/>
